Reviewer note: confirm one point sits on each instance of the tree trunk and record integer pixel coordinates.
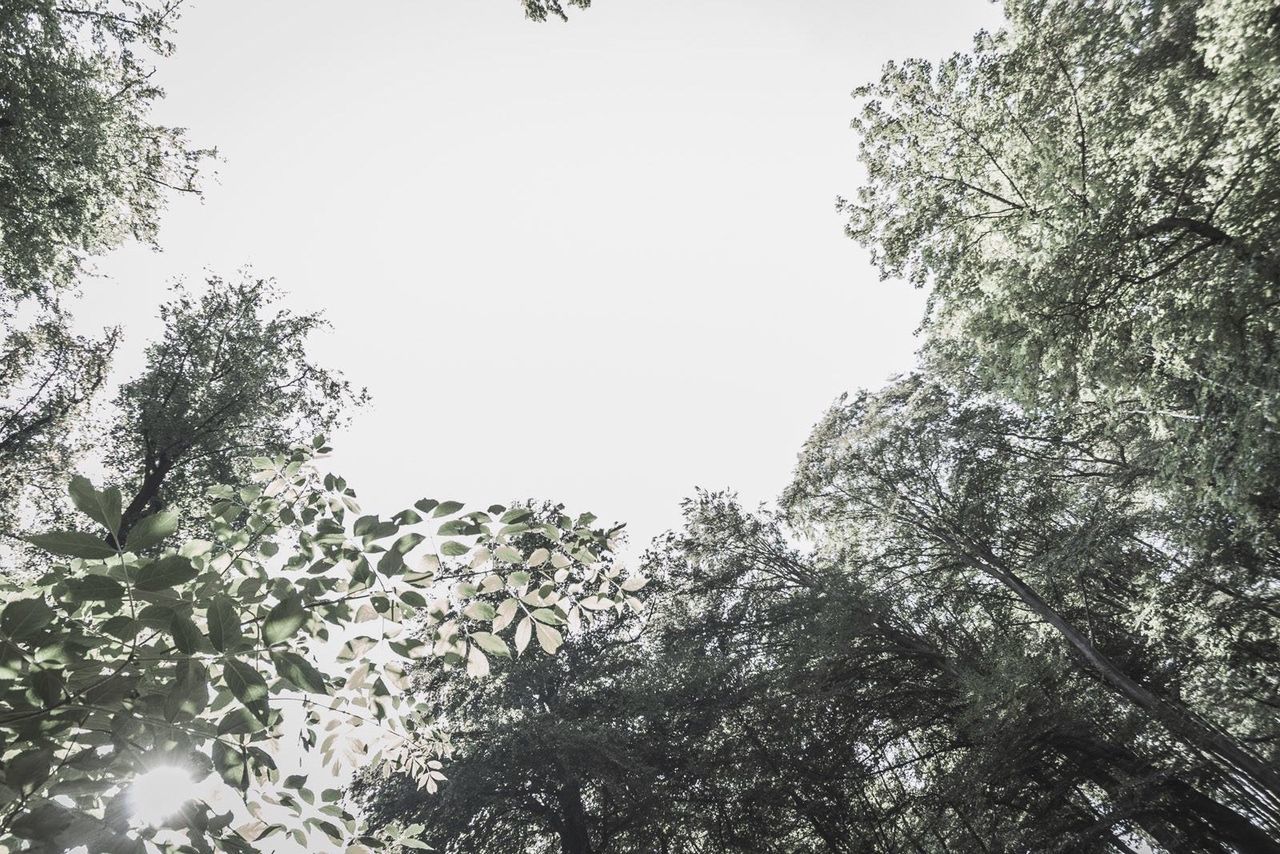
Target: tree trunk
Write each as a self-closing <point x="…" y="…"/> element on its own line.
<point x="575" y="836"/>
<point x="1261" y="782"/>
<point x="148" y="497"/>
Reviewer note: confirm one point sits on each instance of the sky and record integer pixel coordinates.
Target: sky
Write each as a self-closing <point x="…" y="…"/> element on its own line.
<point x="596" y="262"/>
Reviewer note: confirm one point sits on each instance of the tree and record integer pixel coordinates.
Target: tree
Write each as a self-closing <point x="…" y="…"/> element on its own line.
<point x="869" y="707"/>
<point x="1092" y="196"/>
<point x="551" y="752"/>
<point x="117" y="661"/>
<point x="84" y="165"/>
<point x="82" y="168"/>
<point x="229" y="379"/>
<point x="47" y="377"/>
<point x="935" y="482"/>
<point x="776" y="701"/>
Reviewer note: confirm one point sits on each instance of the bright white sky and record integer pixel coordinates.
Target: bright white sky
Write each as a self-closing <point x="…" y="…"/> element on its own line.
<point x="596" y="262"/>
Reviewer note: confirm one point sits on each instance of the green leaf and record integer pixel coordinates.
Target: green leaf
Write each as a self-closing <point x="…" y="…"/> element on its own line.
<point x="24" y="617"/>
<point x="190" y="692"/>
<point x="95" y="588"/>
<point x="391" y="563"/>
<point x="523" y="629"/>
<point x="458" y="528"/>
<point x="406" y="543"/>
<point x="186" y="636"/>
<point x="453" y="548"/>
<point x="299" y="672"/>
<point x="548" y="638"/>
<point x="239" y="721"/>
<point x="47" y="685"/>
<point x="447" y="507"/>
<point x="102" y="507"/>
<point x="283" y="620"/>
<point x="152" y="529"/>
<point x="248" y="686"/>
<point x="479" y="611"/>
<point x="406" y="517"/>
<point x="168" y="571"/>
<point x="232" y="765"/>
<point x="477" y="664"/>
<point x="508" y="554"/>
<point x="505" y="614"/>
<point x="224" y="623"/>
<point x="548" y="616"/>
<point x="413" y="599"/>
<point x="491" y="644"/>
<point x="73" y="544"/>
<point x="156" y="616"/>
<point x="121" y="626"/>
<point x="26" y="771"/>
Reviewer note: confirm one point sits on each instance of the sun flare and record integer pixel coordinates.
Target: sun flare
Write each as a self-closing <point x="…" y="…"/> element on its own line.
<point x="160" y="793"/>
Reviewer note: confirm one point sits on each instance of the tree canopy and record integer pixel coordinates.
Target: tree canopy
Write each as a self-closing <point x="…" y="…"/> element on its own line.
<point x="186" y="654"/>
<point x="84" y="166"/>
<point x="229" y="379"/>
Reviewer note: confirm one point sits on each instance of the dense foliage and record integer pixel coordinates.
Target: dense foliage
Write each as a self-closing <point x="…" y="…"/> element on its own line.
<point x="230" y="378"/>
<point x="121" y="659"/>
<point x="82" y="164"/>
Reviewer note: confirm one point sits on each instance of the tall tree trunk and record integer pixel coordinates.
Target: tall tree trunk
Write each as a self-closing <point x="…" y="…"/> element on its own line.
<point x="1188" y="811"/>
<point x="575" y="836"/>
<point x="1260" y="782"/>
<point x="1180" y="808"/>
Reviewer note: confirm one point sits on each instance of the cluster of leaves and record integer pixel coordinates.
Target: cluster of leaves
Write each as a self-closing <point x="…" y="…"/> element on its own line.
<point x="529" y="707"/>
<point x="540" y="10"/>
<point x="84" y="165"/>
<point x="132" y="655"/>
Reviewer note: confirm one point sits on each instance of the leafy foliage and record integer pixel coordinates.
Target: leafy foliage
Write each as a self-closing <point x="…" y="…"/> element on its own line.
<point x="116" y="661"/>
<point x="84" y="165"/>
<point x="47" y="377"/>
<point x="230" y="378"/>
<point x="536" y="746"/>
<point x="540" y="10"/>
<point x="1091" y="194"/>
